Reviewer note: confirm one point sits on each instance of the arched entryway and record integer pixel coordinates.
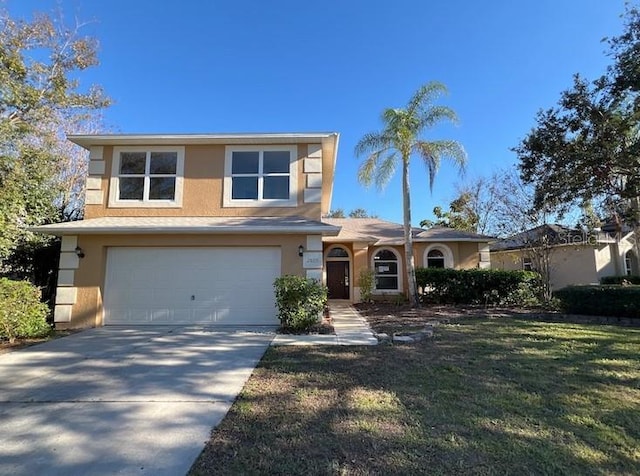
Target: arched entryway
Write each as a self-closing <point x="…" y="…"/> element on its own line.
<point x="338" y="266"/>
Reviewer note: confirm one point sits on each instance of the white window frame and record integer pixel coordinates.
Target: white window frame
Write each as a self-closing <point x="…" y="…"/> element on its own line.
<point x="628" y="263"/>
<point x="399" y="275"/>
<point x="114" y="182"/>
<point x="446" y="251"/>
<point x="292" y="201"/>
<point x="527" y="263"/>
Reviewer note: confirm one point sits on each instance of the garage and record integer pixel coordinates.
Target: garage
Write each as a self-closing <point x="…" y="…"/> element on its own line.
<point x="209" y="286"/>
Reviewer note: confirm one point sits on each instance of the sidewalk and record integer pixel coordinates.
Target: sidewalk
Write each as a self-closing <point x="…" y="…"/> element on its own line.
<point x="351" y="329"/>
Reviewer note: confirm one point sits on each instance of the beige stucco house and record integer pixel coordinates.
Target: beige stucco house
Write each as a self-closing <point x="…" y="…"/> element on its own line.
<point x="575" y="257"/>
<point x="378" y="245"/>
<point x="189" y="228"/>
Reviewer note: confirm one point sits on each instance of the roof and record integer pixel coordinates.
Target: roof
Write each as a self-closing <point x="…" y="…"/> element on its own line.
<point x="382" y="232"/>
<point x="89" y="140"/>
<point x="196" y="225"/>
<point x="551" y="235"/>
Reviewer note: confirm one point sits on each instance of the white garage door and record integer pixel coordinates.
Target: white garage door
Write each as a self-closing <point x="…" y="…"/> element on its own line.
<point x="224" y="286"/>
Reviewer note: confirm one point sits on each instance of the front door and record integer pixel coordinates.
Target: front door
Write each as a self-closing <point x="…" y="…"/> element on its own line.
<point x="338" y="279"/>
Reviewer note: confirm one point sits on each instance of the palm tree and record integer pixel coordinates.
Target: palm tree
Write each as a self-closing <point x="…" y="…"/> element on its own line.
<point x="398" y="141"/>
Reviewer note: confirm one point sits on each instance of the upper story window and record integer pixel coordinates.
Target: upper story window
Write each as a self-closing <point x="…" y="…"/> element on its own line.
<point x="146" y="177"/>
<point x="260" y="176"/>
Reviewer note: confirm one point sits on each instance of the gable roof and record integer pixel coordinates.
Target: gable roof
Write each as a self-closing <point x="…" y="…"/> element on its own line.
<point x="382" y="232"/>
<point x="551" y="235"/>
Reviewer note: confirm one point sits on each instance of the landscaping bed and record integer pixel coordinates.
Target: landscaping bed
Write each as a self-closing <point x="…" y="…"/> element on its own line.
<point x="493" y="392"/>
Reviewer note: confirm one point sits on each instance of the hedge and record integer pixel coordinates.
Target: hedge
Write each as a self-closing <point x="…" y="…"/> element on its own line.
<point x="478" y="286"/>
<point x="619" y="279"/>
<point x="21" y="312"/>
<point x="617" y="301"/>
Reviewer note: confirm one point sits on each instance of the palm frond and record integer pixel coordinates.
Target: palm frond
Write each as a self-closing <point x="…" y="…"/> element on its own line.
<point x="452" y="150"/>
<point x="437" y="114"/>
<point x="371" y="142"/>
<point x="385" y="170"/>
<point x="422" y="98"/>
<point x="433" y="152"/>
<point x="367" y="169"/>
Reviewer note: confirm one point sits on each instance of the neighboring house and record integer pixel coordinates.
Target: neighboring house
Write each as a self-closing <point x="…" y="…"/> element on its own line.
<point x="378" y="245"/>
<point x="574" y="256"/>
<point x="193" y="229"/>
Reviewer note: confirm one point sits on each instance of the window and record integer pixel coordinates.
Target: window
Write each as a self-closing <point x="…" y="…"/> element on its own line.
<point x="628" y="263"/>
<point x="438" y="256"/>
<point x="144" y="176"/>
<point x="527" y="264"/>
<point x="385" y="266"/>
<point x="260" y="176"/>
<point x="435" y="259"/>
<point x="338" y="253"/>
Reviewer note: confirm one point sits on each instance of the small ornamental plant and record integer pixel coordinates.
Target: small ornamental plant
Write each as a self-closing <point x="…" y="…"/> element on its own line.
<point x="300" y="302"/>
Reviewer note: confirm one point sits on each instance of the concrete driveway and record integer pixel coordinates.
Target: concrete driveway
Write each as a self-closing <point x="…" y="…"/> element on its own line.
<point x="120" y="400"/>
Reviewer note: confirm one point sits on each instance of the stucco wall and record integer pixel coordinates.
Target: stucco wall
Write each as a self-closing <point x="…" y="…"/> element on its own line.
<point x="569" y="264"/>
<point x="202" y="189"/>
<point x="465" y="256"/>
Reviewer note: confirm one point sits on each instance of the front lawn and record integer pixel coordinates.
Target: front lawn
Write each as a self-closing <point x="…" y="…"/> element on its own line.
<point x="484" y="396"/>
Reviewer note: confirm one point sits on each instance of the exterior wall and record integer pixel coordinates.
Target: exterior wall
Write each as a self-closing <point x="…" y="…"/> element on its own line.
<point x="465" y="256"/>
<point x="569" y="264"/>
<point x="203" y="186"/>
<point x="88" y="280"/>
<point x="573" y="265"/>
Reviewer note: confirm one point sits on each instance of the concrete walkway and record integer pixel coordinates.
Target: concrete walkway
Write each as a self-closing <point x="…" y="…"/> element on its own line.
<point x="351" y="329"/>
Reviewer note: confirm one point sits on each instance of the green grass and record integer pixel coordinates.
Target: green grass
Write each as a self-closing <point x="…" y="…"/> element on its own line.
<point x="485" y="396"/>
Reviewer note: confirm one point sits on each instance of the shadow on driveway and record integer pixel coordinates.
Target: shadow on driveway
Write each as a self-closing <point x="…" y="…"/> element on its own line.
<point x="121" y="400"/>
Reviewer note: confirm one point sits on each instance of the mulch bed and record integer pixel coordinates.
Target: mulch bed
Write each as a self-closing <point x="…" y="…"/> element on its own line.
<point x="390" y="318"/>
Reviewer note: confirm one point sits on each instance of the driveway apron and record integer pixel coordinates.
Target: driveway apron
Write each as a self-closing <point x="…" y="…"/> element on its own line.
<point x="120" y="400"/>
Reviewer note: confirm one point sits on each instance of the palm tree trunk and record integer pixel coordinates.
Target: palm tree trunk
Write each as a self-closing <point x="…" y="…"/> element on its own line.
<point x="408" y="239"/>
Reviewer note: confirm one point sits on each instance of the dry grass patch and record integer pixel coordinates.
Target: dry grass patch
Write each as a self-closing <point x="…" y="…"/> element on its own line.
<point x="484" y="396"/>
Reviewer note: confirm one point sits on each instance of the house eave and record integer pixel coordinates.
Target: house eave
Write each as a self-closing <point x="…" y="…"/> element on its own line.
<point x="90" y="140"/>
<point x="145" y="227"/>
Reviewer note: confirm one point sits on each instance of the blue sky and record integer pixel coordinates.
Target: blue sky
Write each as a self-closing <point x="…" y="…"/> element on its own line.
<point x="296" y="66"/>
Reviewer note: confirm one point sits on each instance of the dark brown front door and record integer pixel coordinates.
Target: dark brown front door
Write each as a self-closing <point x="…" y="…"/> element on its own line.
<point x="338" y="279"/>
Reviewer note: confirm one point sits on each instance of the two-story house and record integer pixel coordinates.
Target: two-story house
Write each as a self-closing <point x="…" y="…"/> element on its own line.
<point x="194" y="228"/>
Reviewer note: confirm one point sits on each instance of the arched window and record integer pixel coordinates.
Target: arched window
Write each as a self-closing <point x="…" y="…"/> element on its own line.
<point x="386" y="269"/>
<point x="435" y="259"/>
<point x="338" y="252"/>
<point x="629" y="263"/>
<point x="438" y="256"/>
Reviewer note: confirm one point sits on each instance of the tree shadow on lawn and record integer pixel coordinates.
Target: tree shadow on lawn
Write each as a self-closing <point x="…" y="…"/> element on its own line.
<point x="486" y="396"/>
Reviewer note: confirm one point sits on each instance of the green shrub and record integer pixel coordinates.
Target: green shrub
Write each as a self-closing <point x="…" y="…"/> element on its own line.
<point x="366" y="281"/>
<point x="478" y="286"/>
<point x="300" y="301"/>
<point x="21" y="312"/>
<point x="619" y="279"/>
<point x="618" y="301"/>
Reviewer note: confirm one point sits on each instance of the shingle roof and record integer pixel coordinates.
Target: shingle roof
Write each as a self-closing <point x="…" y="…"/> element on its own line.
<point x="382" y="232"/>
<point x="213" y="225"/>
<point x="550" y="235"/>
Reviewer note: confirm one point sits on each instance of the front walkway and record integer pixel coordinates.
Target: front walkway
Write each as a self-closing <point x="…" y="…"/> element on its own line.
<point x="351" y="329"/>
